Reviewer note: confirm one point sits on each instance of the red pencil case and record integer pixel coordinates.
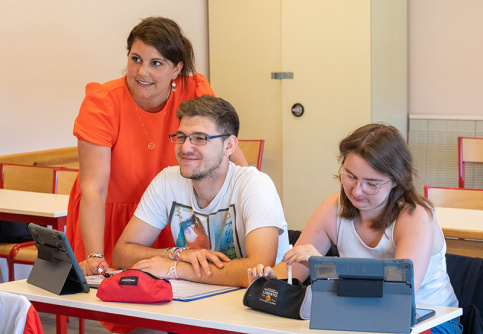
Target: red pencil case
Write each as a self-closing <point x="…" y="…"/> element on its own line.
<point x="135" y="286"/>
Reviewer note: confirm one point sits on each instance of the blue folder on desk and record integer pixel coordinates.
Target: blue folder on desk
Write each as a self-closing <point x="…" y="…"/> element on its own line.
<point x="369" y="295"/>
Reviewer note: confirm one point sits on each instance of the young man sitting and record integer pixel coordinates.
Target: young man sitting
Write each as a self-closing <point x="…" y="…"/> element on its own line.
<point x="224" y="218"/>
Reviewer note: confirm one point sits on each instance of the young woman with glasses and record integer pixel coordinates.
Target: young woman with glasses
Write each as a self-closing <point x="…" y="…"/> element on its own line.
<point x="377" y="214"/>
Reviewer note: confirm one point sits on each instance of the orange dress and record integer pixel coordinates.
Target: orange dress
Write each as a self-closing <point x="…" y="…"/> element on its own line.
<point x="109" y="117"/>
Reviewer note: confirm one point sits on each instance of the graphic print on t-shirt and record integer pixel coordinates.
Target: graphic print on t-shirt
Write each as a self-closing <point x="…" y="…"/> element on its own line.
<point x="211" y="231"/>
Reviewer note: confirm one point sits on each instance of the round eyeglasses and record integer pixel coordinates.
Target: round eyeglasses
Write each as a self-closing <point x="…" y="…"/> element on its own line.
<point x="195" y="139"/>
<point x="367" y="187"/>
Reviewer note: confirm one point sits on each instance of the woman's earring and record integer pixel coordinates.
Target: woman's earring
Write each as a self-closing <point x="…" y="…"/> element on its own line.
<point x="174" y="86"/>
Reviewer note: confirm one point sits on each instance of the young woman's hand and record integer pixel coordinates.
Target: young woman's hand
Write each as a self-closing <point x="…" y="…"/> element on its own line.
<point x="300" y="254"/>
<point x="260" y="271"/>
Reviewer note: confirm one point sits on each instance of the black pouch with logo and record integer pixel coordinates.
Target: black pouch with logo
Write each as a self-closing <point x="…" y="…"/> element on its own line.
<point x="277" y="297"/>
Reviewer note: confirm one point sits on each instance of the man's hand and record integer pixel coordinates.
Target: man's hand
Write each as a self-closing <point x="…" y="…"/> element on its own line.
<point x="201" y="257"/>
<point x="157" y="266"/>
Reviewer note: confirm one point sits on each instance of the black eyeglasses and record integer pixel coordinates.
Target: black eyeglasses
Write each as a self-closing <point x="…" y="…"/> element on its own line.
<point x="195" y="139"/>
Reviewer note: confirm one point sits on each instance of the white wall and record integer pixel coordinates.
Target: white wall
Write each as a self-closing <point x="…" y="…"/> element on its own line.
<point x="445" y="57"/>
<point x="49" y="51"/>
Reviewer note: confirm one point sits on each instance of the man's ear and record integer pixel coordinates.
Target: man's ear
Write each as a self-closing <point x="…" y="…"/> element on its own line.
<point x="230" y="145"/>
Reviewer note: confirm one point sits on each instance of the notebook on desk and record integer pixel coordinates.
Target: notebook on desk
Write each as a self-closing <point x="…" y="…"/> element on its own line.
<point x="373" y="295"/>
<point x="187" y="291"/>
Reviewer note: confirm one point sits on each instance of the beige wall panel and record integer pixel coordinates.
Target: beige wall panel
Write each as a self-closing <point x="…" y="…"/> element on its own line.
<point x="327" y="46"/>
<point x="445" y="53"/>
<point x="389" y="63"/>
<point x="245" y="48"/>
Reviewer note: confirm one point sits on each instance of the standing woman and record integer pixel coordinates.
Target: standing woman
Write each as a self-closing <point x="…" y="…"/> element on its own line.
<point x="122" y="131"/>
<point x="377" y="214"/>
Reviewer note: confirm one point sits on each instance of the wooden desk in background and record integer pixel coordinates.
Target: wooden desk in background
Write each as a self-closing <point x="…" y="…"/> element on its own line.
<point x="33" y="207"/>
<point x="463" y="229"/>
<point x="218" y="314"/>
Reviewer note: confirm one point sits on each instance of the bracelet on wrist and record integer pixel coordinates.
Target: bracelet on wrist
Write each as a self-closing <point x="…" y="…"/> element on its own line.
<point x="177" y="253"/>
<point x="171" y="252"/>
<point x="96" y="255"/>
<point x="172" y="271"/>
<point x="167" y="249"/>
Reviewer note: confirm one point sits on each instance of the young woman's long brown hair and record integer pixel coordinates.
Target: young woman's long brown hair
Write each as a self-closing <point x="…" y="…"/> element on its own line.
<point x="386" y="151"/>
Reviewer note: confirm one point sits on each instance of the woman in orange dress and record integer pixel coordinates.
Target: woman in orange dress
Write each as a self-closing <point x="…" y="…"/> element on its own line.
<point x="122" y="130"/>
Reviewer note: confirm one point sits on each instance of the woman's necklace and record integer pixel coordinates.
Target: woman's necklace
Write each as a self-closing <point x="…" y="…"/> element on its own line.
<point x="151" y="144"/>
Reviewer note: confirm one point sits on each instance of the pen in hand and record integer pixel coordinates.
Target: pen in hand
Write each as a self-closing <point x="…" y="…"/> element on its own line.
<point x="101" y="271"/>
<point x="289" y="279"/>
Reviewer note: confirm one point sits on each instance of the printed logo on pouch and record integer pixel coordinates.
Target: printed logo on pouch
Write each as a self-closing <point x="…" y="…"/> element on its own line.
<point x="269" y="296"/>
<point x="128" y="280"/>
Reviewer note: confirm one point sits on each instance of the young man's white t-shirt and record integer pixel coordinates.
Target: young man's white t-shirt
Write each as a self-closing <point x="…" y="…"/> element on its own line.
<point x="248" y="200"/>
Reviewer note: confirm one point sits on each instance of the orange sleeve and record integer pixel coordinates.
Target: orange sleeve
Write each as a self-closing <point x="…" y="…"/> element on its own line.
<point x="202" y="87"/>
<point x="97" y="121"/>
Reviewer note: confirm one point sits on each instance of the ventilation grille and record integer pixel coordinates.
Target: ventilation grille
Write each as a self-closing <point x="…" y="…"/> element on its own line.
<point x="434" y="145"/>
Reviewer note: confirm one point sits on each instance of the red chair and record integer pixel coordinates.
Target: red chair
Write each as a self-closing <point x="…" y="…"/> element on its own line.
<point x="470" y="149"/>
<point x="64" y="180"/>
<point x="252" y="150"/>
<point x="25" y="178"/>
<point x="460" y="198"/>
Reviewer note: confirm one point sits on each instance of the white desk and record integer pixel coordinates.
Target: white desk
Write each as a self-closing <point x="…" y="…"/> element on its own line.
<point x="218" y="314"/>
<point x="33" y="207"/>
<point x="461" y="223"/>
<point x="464" y="228"/>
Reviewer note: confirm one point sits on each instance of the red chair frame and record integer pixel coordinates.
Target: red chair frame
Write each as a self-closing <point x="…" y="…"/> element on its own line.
<point x="462" y="161"/>
<point x="261" y="143"/>
<point x="474" y="194"/>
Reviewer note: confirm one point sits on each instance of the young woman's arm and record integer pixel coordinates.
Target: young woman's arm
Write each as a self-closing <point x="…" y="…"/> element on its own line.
<point x="416" y="238"/>
<point x="315" y="240"/>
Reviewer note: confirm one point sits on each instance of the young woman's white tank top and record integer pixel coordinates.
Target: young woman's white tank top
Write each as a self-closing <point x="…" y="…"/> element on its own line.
<point x="435" y="289"/>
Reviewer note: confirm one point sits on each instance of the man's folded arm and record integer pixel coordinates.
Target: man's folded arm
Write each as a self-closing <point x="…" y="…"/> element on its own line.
<point x="134" y="244"/>
<point x="261" y="246"/>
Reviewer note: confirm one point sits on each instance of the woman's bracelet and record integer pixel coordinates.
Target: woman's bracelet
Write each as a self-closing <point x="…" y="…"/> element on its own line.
<point x="172" y="271"/>
<point x="97" y="255"/>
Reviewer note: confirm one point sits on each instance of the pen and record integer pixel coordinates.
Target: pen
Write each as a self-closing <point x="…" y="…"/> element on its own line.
<point x="99" y="269"/>
<point x="289" y="280"/>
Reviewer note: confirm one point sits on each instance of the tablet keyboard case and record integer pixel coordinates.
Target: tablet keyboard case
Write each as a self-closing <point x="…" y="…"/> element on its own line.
<point x="56" y="268"/>
<point x="369" y="295"/>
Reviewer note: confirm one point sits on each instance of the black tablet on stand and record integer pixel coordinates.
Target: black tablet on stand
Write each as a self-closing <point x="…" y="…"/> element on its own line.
<point x="56" y="268"/>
